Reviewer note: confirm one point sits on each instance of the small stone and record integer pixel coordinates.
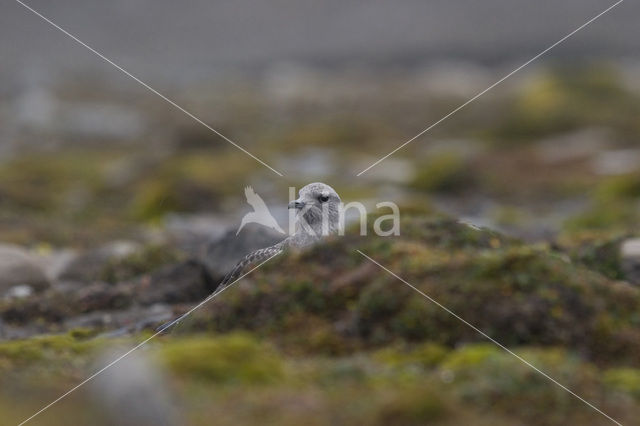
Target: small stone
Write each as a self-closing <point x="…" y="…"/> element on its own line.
<point x="630" y="254"/>
<point x="19" y="268"/>
<point x="134" y="393"/>
<point x="20" y="292"/>
<point x="617" y="162"/>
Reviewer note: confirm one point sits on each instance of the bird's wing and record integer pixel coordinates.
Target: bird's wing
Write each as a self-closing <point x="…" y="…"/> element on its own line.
<point x="253" y="257"/>
<point x="254" y="200"/>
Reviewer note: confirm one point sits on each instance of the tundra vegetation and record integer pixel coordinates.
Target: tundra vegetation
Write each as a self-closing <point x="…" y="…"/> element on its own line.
<point x="324" y="336"/>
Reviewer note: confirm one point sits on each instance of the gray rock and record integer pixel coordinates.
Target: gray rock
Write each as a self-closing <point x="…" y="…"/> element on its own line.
<point x="191" y="232"/>
<point x="222" y="254"/>
<point x="90" y="265"/>
<point x="135" y="392"/>
<point x="20" y="292"/>
<point x="19" y="268"/>
<point x="574" y="146"/>
<point x="186" y="281"/>
<point x="630" y="254"/>
<point x="55" y="262"/>
<point x="617" y="162"/>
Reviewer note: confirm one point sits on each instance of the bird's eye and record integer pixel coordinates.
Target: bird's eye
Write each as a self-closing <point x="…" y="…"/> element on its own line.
<point x="323" y="198"/>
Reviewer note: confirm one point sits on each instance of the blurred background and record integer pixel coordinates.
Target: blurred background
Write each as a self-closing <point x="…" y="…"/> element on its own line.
<point x="520" y="212"/>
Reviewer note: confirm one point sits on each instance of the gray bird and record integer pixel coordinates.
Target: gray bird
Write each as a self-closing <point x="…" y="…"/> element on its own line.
<point x="317" y="216"/>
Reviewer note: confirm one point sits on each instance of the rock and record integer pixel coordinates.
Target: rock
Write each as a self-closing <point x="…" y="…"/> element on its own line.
<point x="630" y="254"/>
<point x="20" y="292"/>
<point x="222" y="254"/>
<point x="187" y="281"/>
<point x="43" y="311"/>
<point x="191" y="232"/>
<point x="135" y="392"/>
<point x="89" y="266"/>
<point x="617" y="162"/>
<point x="19" y="268"/>
<point x="573" y="146"/>
<point x="55" y="262"/>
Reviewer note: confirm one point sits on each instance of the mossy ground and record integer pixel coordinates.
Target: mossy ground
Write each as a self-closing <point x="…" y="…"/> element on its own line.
<point x="327" y="337"/>
<point x="325" y="334"/>
<point x="242" y="379"/>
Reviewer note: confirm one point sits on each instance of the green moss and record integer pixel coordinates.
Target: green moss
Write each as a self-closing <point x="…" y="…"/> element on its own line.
<point x="419" y="319"/>
<point x="444" y="172"/>
<point x="484" y="375"/>
<point x="376" y="306"/>
<point x="597" y="251"/>
<point x="445" y="233"/>
<point x="565" y="99"/>
<point x="80" y="334"/>
<point x="413" y="406"/>
<point x="307" y="295"/>
<point x="426" y="355"/>
<point x="188" y="182"/>
<point x="232" y="358"/>
<point x="619" y="188"/>
<point x="612" y="216"/>
<point x="330" y="132"/>
<point x="470" y="356"/>
<point x="20" y="353"/>
<point x="45" y="182"/>
<point x="615" y="206"/>
<point x="510" y="216"/>
<point x="624" y="379"/>
<point x="516" y="293"/>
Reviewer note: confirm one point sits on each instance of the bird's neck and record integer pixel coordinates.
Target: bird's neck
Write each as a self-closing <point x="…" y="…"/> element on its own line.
<point x="310" y="234"/>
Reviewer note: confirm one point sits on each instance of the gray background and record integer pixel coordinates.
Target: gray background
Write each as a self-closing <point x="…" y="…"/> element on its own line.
<point x="177" y="42"/>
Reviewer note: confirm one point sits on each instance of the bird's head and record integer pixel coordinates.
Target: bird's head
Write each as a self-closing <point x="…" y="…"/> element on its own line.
<point x="318" y="207"/>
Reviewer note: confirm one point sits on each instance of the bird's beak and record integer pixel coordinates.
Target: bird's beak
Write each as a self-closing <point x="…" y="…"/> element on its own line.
<point x="296" y="204"/>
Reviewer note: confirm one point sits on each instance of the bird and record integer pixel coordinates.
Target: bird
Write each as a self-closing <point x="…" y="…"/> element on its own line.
<point x="317" y="215"/>
<point x="260" y="213"/>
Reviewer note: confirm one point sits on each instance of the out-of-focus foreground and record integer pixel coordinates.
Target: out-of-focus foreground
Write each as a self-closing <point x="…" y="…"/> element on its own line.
<point x="520" y="214"/>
